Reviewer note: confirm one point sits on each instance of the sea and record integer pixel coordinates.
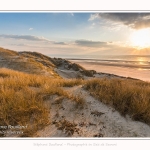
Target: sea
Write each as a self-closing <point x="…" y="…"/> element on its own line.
<point x="135" y="66"/>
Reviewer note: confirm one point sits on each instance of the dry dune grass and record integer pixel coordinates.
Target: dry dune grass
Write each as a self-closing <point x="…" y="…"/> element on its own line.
<point x="127" y="96"/>
<point x="45" y="60"/>
<point x="19" y="105"/>
<point x="29" y="66"/>
<point x="22" y="98"/>
<point x="6" y="53"/>
<point x="54" y="87"/>
<point x="20" y="62"/>
<point x="71" y="82"/>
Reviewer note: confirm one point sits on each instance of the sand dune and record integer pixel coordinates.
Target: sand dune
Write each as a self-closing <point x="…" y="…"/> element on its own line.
<point x="94" y="120"/>
<point x="91" y="118"/>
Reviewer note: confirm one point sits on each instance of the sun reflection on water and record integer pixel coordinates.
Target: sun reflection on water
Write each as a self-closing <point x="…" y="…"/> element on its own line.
<point x="141" y="61"/>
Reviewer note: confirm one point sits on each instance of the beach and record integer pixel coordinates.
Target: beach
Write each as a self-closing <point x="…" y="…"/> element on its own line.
<point x="60" y="98"/>
<point x="128" y="67"/>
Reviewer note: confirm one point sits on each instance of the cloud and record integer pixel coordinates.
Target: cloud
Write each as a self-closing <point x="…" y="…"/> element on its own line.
<point x="72" y="14"/>
<point x="19" y="44"/>
<point x="93" y="17"/>
<point x="30" y="28"/>
<point x="88" y="43"/>
<point x="25" y="37"/>
<point x="60" y="43"/>
<point x="133" y="20"/>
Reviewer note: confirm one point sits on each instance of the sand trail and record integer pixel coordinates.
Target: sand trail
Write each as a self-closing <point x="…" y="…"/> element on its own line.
<point x="95" y="119"/>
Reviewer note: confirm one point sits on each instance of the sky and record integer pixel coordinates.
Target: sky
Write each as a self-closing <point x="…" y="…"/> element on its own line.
<point x="76" y="34"/>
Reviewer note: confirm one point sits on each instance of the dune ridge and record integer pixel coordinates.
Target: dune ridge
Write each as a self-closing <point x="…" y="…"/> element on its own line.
<point x="54" y="97"/>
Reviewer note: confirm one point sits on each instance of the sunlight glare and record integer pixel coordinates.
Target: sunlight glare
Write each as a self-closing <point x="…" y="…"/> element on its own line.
<point x="141" y="38"/>
<point x="141" y="60"/>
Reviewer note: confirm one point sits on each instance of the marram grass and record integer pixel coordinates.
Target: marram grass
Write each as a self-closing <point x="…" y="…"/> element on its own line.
<point x="127" y="96"/>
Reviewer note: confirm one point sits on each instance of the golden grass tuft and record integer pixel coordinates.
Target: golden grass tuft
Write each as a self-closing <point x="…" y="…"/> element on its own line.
<point x="71" y="82"/>
<point x="6" y="52"/>
<point x="127" y="96"/>
<point x="19" y="105"/>
<point x="79" y="100"/>
<point x="22" y="98"/>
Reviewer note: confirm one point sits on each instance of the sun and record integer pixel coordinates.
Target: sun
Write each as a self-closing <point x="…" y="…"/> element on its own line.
<point x="141" y="38"/>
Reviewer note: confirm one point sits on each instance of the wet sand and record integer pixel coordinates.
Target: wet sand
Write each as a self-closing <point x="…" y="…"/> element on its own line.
<point x="143" y="74"/>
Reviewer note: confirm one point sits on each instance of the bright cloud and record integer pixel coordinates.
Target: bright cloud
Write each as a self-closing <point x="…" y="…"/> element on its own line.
<point x="72" y="14"/>
<point x="88" y="43"/>
<point x="133" y="20"/>
<point x="30" y="28"/>
<point x="61" y="33"/>
<point x="24" y="37"/>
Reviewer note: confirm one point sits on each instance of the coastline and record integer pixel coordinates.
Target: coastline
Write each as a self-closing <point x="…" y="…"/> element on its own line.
<point x="69" y="98"/>
<point x="116" y="70"/>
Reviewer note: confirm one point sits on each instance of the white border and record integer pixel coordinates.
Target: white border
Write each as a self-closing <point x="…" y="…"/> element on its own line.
<point x="74" y="5"/>
<point x="75" y="11"/>
<point x="19" y="143"/>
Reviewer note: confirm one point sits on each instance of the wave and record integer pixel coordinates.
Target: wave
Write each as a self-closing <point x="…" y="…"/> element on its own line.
<point x="145" y="65"/>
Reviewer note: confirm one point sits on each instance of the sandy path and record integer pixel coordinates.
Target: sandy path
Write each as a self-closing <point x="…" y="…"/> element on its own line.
<point x="94" y="120"/>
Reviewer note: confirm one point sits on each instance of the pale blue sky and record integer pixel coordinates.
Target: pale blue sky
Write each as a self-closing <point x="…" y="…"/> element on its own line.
<point x="62" y="34"/>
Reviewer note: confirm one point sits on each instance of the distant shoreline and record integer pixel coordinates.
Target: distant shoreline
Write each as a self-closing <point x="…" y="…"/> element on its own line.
<point x="134" y="71"/>
<point x="114" y="63"/>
